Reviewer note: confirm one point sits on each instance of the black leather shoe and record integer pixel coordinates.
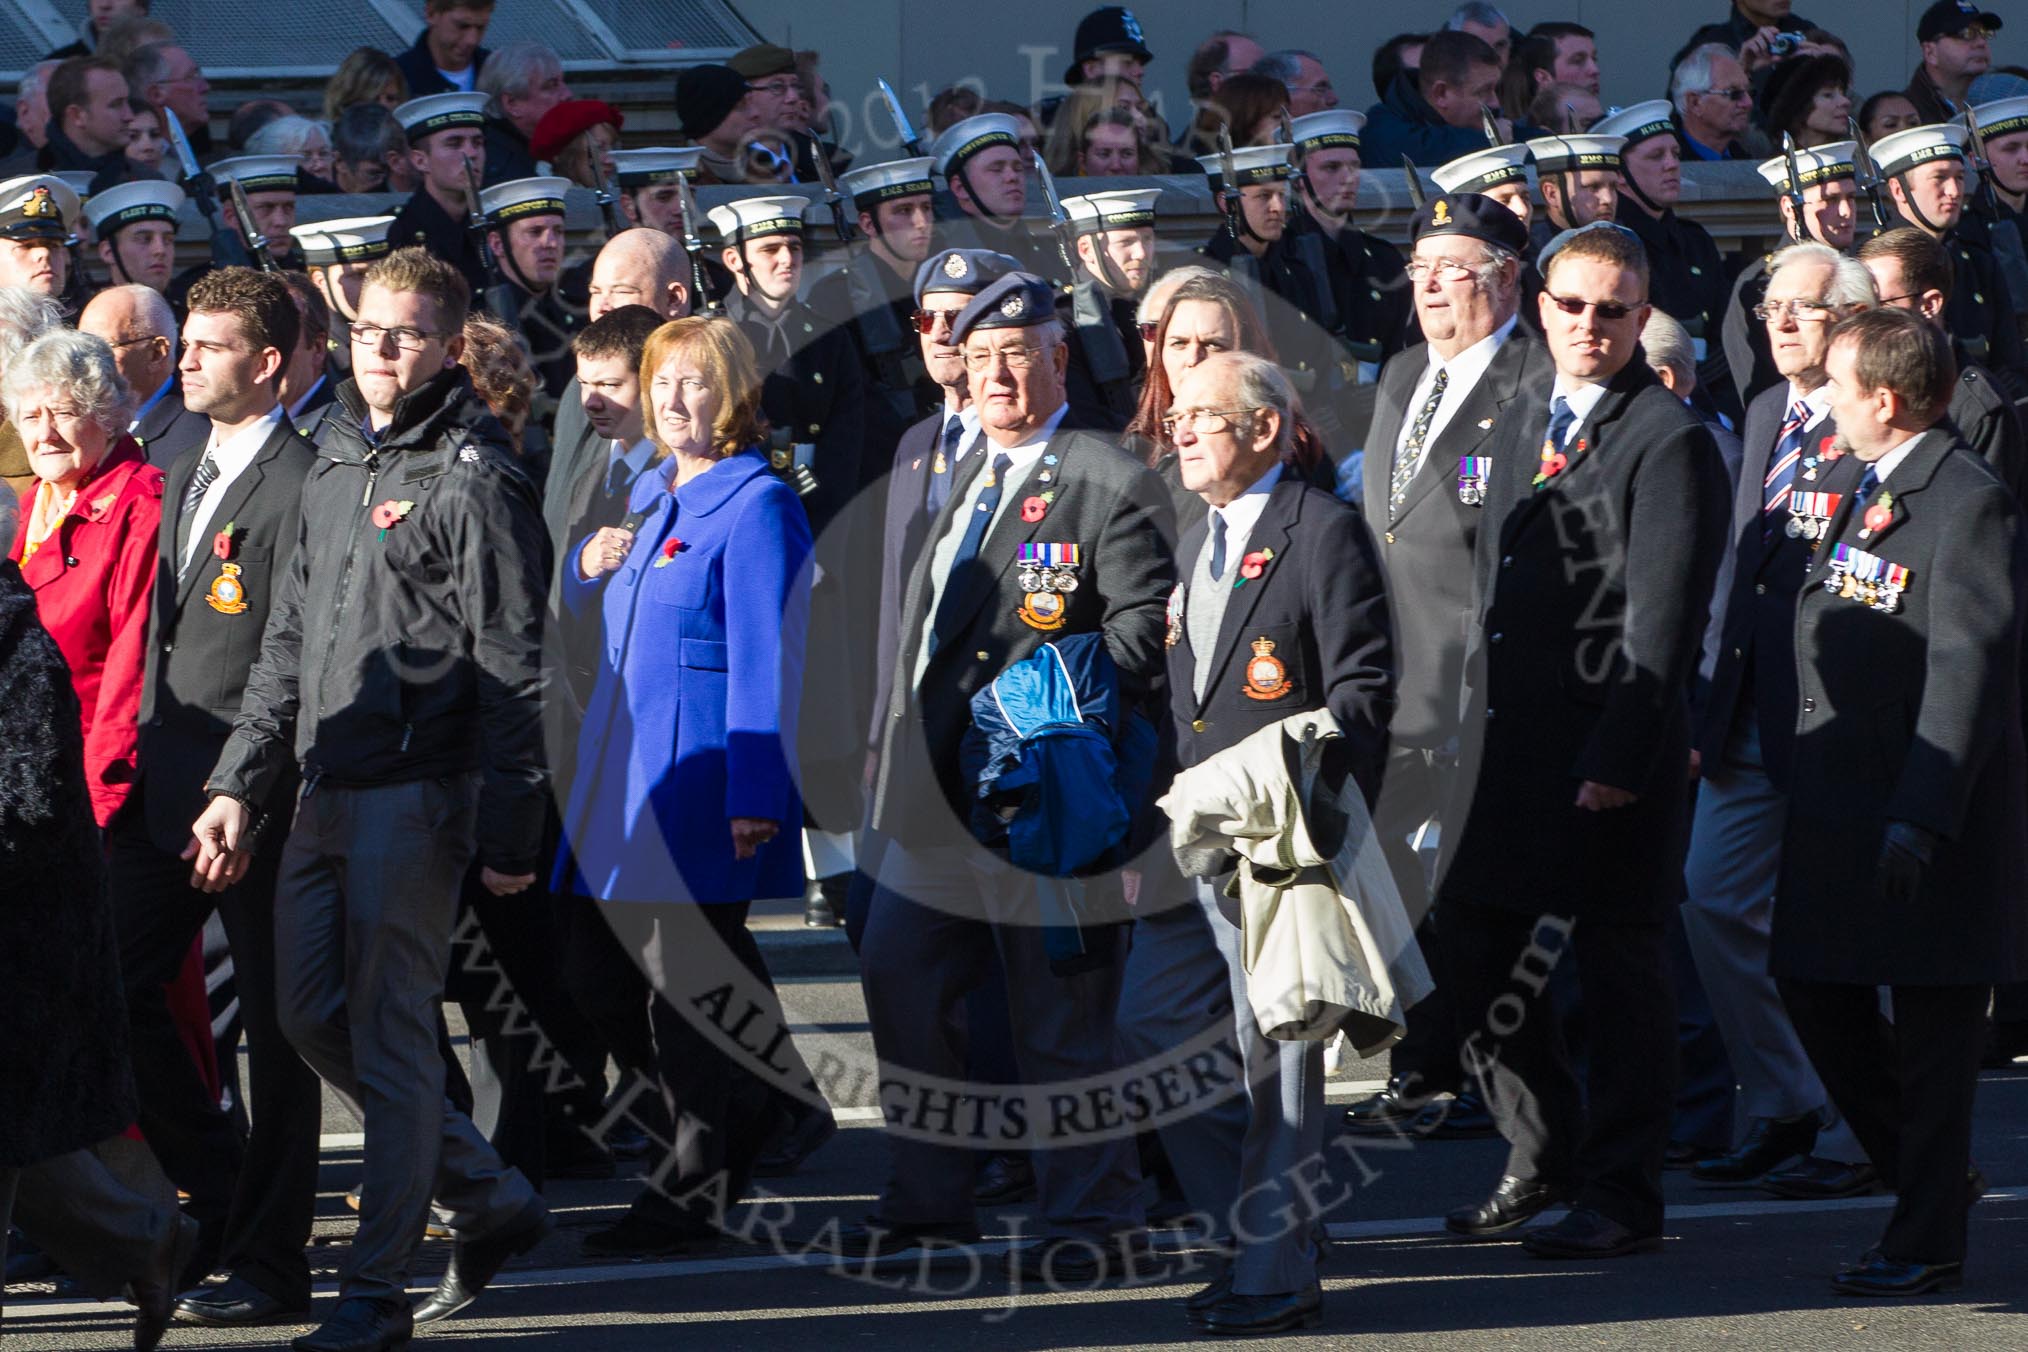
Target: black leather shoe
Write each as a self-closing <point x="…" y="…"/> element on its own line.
<point x="1463" y="1118"/>
<point x="1066" y="1262"/>
<point x="801" y="1139"/>
<point x="1389" y="1111"/>
<point x="818" y="910"/>
<point x="361" y="1325"/>
<point x="1006" y="1179"/>
<point x="876" y="1238"/>
<point x="636" y="1237"/>
<point x="1812" y="1179"/>
<point x="1686" y="1154"/>
<point x="1209" y="1295"/>
<point x="1768" y="1142"/>
<point x="1238" y="1315"/>
<point x="478" y="1259"/>
<point x="1514" y="1203"/>
<point x="154" y="1291"/>
<point x="1878" y="1275"/>
<point x="239" y="1304"/>
<point x="1585" y="1233"/>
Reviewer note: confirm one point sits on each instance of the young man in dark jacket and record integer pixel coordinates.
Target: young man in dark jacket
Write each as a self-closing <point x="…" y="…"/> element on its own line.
<point x="403" y="653"/>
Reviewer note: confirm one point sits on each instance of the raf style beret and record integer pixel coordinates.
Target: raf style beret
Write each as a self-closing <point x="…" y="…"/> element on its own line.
<point x="1020" y="300"/>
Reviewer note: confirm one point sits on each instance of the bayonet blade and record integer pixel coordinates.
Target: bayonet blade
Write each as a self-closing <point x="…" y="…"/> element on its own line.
<point x="1415" y="193"/>
<point x="903" y="128"/>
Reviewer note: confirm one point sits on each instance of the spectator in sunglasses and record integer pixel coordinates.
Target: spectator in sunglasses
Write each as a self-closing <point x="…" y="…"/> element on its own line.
<point x="1957" y="48"/>
<point x="1713" y="102"/>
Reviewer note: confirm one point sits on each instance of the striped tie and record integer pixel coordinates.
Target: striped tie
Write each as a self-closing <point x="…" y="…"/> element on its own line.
<point x="1781" y="474"/>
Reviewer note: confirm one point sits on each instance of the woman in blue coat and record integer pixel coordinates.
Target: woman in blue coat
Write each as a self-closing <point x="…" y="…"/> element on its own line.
<point x="684" y="808"/>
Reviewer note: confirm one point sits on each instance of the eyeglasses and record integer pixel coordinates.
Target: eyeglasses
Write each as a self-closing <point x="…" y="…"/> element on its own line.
<point x="1737" y="93"/>
<point x="407" y="339"/>
<point x="1977" y="32"/>
<point x="1446" y="269"/>
<point x="1802" y="311"/>
<point x="927" y="321"/>
<point x="136" y="342"/>
<point x="1017" y="358"/>
<point x="779" y="89"/>
<point x="1147" y="328"/>
<point x="1607" y="309"/>
<point x="1202" y="421"/>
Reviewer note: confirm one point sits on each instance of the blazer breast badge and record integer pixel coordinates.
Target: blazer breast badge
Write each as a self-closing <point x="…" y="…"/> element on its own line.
<point x="1266" y="676"/>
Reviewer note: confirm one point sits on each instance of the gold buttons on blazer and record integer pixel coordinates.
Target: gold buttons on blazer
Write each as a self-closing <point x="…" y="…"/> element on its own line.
<point x="1196" y="725"/>
<point x="1390" y="537"/>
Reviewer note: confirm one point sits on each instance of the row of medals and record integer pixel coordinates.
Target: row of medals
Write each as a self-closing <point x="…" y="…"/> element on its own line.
<point x="1058" y="577"/>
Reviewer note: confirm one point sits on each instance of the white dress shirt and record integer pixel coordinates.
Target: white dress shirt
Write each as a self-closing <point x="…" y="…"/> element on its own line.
<point x="232" y="456"/>
<point x="1818" y="401"/>
<point x="152" y="400"/>
<point x="1582" y="400"/>
<point x="1466" y="369"/>
<point x="1242" y="514"/>
<point x="296" y="409"/>
<point x="1888" y="463"/>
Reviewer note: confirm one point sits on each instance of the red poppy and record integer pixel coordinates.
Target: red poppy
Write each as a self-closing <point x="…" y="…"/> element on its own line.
<point x="1033" y="510"/>
<point x="221" y="544"/>
<point x="671" y="548"/>
<point x="1253" y="565"/>
<point x="1878" y="516"/>
<point x="1828" y="449"/>
<point x="1554" y="465"/>
<point x="390" y="512"/>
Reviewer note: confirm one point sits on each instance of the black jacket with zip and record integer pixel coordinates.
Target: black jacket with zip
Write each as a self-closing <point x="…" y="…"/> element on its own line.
<point x="414" y="651"/>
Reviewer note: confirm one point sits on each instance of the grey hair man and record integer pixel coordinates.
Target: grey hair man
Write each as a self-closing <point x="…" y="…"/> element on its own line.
<point x="521" y="82"/>
<point x="1713" y="101"/>
<point x="1487" y="23"/>
<point x="1303" y="75"/>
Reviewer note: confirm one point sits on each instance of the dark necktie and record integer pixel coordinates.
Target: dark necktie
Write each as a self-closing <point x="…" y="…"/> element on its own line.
<point x="1217" y="545"/>
<point x="1867" y="483"/>
<point x="1781" y="470"/>
<point x="975" y="535"/>
<point x="1561" y="419"/>
<point x="193" y="494"/>
<point x="619" y="478"/>
<point x="945" y="467"/>
<point x="1409" y="458"/>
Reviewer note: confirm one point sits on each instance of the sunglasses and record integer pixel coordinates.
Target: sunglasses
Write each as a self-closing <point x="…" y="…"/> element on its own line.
<point x="1147" y="329"/>
<point x="1607" y="309"/>
<point x="926" y="320"/>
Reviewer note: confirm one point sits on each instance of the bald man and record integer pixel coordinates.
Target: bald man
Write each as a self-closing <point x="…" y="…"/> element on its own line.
<point x="636" y="267"/>
<point x="141" y="329"/>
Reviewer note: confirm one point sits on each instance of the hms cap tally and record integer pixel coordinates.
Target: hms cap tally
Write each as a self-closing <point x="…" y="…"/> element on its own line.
<point x="350" y="239"/>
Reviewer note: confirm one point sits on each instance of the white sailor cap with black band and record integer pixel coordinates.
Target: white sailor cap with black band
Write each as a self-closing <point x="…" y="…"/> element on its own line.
<point x="2001" y="117"/>
<point x="1904" y="150"/>
<point x="440" y="112"/>
<point x="1577" y="153"/>
<point x="519" y="198"/>
<point x="1818" y="164"/>
<point x="78" y="181"/>
<point x="349" y="239"/>
<point x="650" y="165"/>
<point x="757" y="218"/>
<point x="962" y="140"/>
<point x="889" y="182"/>
<point x="258" y="173"/>
<point x="1641" y="122"/>
<point x="1125" y="209"/>
<point x="130" y="203"/>
<point x="38" y="207"/>
<point x="1250" y="165"/>
<point x="1336" y="129"/>
<point x="1484" y="170"/>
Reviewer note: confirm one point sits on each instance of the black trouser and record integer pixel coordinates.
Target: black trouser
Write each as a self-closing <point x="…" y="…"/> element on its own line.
<point x="1608" y="1143"/>
<point x="105" y="1213"/>
<point x="703" y="968"/>
<point x="254" y="1199"/>
<point x="1411" y="794"/>
<point x="1907" y="1089"/>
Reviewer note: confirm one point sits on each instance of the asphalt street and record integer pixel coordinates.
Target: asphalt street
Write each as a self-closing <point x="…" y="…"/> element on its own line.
<point x="1740" y="1269"/>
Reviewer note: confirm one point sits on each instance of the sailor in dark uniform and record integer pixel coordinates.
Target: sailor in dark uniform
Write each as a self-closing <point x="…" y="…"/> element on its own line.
<point x="444" y="131"/>
<point x="1924" y="169"/>
<point x="1255" y="248"/>
<point x="875" y="288"/>
<point x="1115" y="234"/>
<point x="134" y="224"/>
<point x="980" y="164"/>
<point x="1686" y="273"/>
<point x="1373" y="310"/>
<point x="269" y="182"/>
<point x="1830" y="216"/>
<point x="1579" y="176"/>
<point x="337" y="254"/>
<point x="651" y="193"/>
<point x="524" y="219"/>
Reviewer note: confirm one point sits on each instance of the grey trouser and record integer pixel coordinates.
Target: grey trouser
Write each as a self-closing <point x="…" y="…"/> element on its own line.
<point x="363" y="915"/>
<point x="1281" y="1159"/>
<point x="1735" y="859"/>
<point x="939" y="916"/>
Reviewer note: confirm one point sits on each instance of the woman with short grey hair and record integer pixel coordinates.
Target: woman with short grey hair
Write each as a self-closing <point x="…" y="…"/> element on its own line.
<point x="294" y="135"/>
<point x="87" y="542"/>
<point x="25" y="315"/>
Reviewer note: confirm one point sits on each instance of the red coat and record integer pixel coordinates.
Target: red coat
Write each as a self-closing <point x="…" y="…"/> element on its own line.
<point x="92" y="578"/>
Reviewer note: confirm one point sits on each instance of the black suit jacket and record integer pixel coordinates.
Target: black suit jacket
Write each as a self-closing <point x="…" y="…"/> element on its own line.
<point x="1912" y="716"/>
<point x="1593" y="592"/>
<point x="903" y="529"/>
<point x="1107" y="503"/>
<point x="1755" y="663"/>
<point x="168" y="429"/>
<point x="1984" y="420"/>
<point x="199" y="655"/>
<point x="1427" y="549"/>
<point x="310" y="416"/>
<point x="1320" y="604"/>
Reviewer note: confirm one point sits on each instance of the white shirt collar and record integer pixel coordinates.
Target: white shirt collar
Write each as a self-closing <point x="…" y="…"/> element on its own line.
<point x="1470" y="364"/>
<point x="1242" y="514"/>
<point x="232" y="456"/>
<point x="296" y="409"/>
<point x="636" y="456"/>
<point x="1028" y="452"/>
<point x="1581" y="398"/>
<point x="152" y="400"/>
<point x="1818" y="401"/>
